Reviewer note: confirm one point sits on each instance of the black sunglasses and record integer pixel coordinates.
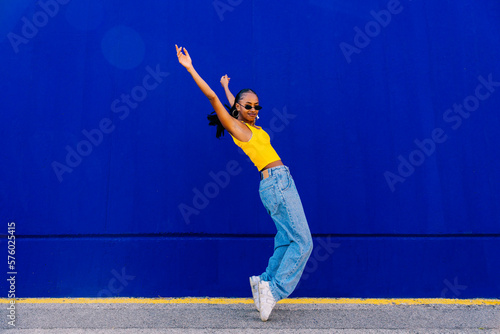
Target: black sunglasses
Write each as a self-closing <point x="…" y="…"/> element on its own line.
<point x="249" y="107"/>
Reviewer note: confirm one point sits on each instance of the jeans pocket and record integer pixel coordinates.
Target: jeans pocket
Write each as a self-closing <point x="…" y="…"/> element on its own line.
<point x="269" y="198"/>
<point x="284" y="181"/>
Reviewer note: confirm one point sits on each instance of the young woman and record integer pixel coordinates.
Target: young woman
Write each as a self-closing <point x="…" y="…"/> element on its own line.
<point x="293" y="241"/>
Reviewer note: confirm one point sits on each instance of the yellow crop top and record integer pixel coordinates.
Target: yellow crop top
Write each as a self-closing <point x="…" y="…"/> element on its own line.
<point x="258" y="148"/>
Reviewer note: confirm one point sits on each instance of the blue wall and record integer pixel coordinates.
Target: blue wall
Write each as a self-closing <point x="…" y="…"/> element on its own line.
<point x="386" y="113"/>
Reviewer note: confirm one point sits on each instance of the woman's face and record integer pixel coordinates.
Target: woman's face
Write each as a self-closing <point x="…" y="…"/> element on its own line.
<point x="247" y="99"/>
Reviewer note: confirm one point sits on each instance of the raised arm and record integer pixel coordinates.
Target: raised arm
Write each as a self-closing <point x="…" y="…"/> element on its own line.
<point x="229" y="123"/>
<point x="225" y="83"/>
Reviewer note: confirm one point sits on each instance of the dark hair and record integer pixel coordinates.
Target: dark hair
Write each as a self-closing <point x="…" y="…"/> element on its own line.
<point x="214" y="120"/>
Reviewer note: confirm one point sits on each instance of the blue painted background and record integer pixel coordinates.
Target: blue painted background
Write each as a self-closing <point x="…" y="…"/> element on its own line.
<point x="346" y="100"/>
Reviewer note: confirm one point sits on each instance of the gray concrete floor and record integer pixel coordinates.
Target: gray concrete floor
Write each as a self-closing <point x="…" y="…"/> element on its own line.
<point x="243" y="318"/>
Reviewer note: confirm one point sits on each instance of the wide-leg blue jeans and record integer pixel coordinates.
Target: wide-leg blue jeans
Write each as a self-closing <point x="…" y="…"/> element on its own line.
<point x="293" y="242"/>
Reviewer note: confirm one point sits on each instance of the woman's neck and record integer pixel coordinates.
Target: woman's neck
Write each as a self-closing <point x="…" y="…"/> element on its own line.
<point x="251" y="123"/>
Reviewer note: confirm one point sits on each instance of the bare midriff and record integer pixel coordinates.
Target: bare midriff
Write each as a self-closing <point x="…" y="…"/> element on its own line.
<point x="273" y="164"/>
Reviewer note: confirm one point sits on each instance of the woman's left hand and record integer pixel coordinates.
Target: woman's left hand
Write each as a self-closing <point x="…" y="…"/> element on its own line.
<point x="224" y="81"/>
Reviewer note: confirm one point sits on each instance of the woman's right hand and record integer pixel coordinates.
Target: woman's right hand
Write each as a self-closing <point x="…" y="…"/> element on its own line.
<point x="184" y="59"/>
<point x="224" y="81"/>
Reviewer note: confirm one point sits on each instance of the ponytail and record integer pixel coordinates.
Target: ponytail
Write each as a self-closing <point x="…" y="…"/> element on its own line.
<point x="214" y="120"/>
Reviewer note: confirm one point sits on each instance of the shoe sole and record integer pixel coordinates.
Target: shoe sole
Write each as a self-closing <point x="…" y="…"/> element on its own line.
<point x="258" y="296"/>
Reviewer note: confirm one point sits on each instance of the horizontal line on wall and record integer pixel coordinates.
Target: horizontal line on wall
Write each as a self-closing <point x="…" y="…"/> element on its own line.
<point x="254" y="236"/>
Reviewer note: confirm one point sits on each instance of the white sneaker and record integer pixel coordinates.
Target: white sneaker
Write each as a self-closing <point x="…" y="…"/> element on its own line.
<point x="266" y="300"/>
<point x="254" y="284"/>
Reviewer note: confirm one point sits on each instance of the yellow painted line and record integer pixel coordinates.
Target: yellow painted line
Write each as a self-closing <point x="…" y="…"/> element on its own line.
<point x="373" y="301"/>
